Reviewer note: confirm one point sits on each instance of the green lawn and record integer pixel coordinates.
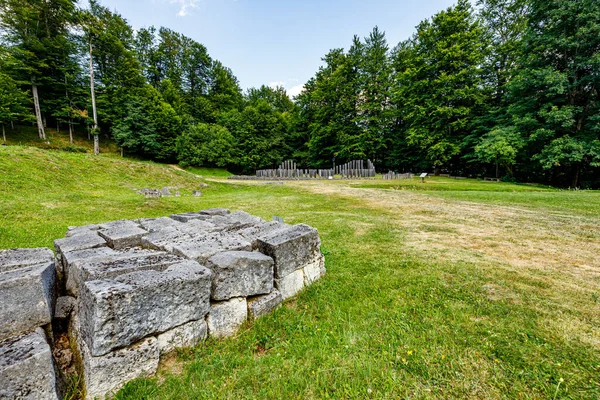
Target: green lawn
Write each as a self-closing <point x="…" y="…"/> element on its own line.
<point x="464" y="290"/>
<point x="23" y="135"/>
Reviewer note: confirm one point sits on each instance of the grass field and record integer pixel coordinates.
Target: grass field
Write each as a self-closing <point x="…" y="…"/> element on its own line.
<point x="448" y="289"/>
<point x="58" y="140"/>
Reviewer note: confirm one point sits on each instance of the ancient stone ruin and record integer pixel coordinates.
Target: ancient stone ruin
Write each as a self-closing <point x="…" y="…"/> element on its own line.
<point x="117" y="296"/>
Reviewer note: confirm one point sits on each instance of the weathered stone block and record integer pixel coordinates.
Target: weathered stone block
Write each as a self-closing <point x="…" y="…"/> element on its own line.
<point x="165" y="239"/>
<point x="291" y="248"/>
<point x="314" y="270"/>
<point x="80" y="241"/>
<point x="242" y="219"/>
<point x="70" y="257"/>
<point x="119" y="264"/>
<point x="158" y="224"/>
<point x="240" y="274"/>
<point x="76" y="230"/>
<point x="214" y="211"/>
<point x="26" y="368"/>
<point x="202" y="248"/>
<point x="107" y="374"/>
<point x="18" y="258"/>
<point x="64" y="306"/>
<point x="261" y="305"/>
<point x="198" y="227"/>
<point x="291" y="284"/>
<point x="226" y="317"/>
<point x="122" y="234"/>
<point x="26" y="299"/>
<point x="186" y="217"/>
<point x="120" y="311"/>
<point x="253" y="233"/>
<point x="186" y="335"/>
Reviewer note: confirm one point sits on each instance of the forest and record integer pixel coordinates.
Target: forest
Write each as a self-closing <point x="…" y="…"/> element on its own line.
<point x="506" y="88"/>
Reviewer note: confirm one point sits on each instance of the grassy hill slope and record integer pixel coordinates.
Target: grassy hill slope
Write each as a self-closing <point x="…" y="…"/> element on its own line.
<point x="45" y="191"/>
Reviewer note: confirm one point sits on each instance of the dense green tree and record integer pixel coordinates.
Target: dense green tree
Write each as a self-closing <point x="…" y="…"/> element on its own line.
<point x="37" y="33"/>
<point x="373" y="108"/>
<point x="206" y="145"/>
<point x="441" y="85"/>
<point x="500" y="147"/>
<point x="149" y="126"/>
<point x="555" y="98"/>
<point x="13" y="103"/>
<point x="260" y="132"/>
<point x="276" y="97"/>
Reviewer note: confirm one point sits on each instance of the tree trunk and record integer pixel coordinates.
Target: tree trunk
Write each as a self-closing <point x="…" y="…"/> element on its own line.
<point x="57" y="127"/>
<point x="70" y="132"/>
<point x="12" y="125"/>
<point x="38" y="114"/>
<point x="96" y="141"/>
<point x="575" y="182"/>
<point x="3" y="133"/>
<point x="510" y="171"/>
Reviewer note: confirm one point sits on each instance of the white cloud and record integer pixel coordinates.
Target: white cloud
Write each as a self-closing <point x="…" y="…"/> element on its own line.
<point x="295" y="91"/>
<point x="276" y="84"/>
<point x="290" y="85"/>
<point x="185" y="6"/>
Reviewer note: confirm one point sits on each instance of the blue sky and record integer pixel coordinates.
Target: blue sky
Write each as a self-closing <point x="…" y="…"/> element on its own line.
<point x="277" y="41"/>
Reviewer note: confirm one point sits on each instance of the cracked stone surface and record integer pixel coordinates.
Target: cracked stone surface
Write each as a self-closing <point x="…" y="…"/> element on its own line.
<point x="26" y="368"/>
<point x="119" y="311"/>
<point x="240" y="274"/>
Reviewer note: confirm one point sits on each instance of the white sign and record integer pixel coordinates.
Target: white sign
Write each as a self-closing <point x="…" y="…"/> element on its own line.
<point x="423" y="175"/>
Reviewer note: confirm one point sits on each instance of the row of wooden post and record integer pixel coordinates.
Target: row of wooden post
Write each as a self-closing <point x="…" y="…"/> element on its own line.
<point x="394" y="175"/>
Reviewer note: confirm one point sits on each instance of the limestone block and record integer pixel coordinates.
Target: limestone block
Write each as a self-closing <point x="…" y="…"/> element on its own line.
<point x="186" y="217"/>
<point x="157" y="224"/>
<point x="186" y="335"/>
<point x="165" y="239"/>
<point x="26" y="299"/>
<point x="17" y="258"/>
<point x="242" y="219"/>
<point x="314" y="270"/>
<point x="253" y="233"/>
<point x="261" y="305"/>
<point x="226" y="317"/>
<point x="64" y="306"/>
<point x="119" y="311"/>
<point x="119" y="264"/>
<point x="291" y="248"/>
<point x="26" y="368"/>
<point x="70" y="257"/>
<point x="76" y="230"/>
<point x="122" y="234"/>
<point x="291" y="284"/>
<point x="240" y="274"/>
<point x="198" y="227"/>
<point x="204" y="247"/>
<point x="107" y="374"/>
<point x="80" y="241"/>
<point x="214" y="211"/>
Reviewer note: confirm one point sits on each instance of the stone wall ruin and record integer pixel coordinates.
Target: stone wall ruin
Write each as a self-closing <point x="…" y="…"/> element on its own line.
<point x="117" y="296"/>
